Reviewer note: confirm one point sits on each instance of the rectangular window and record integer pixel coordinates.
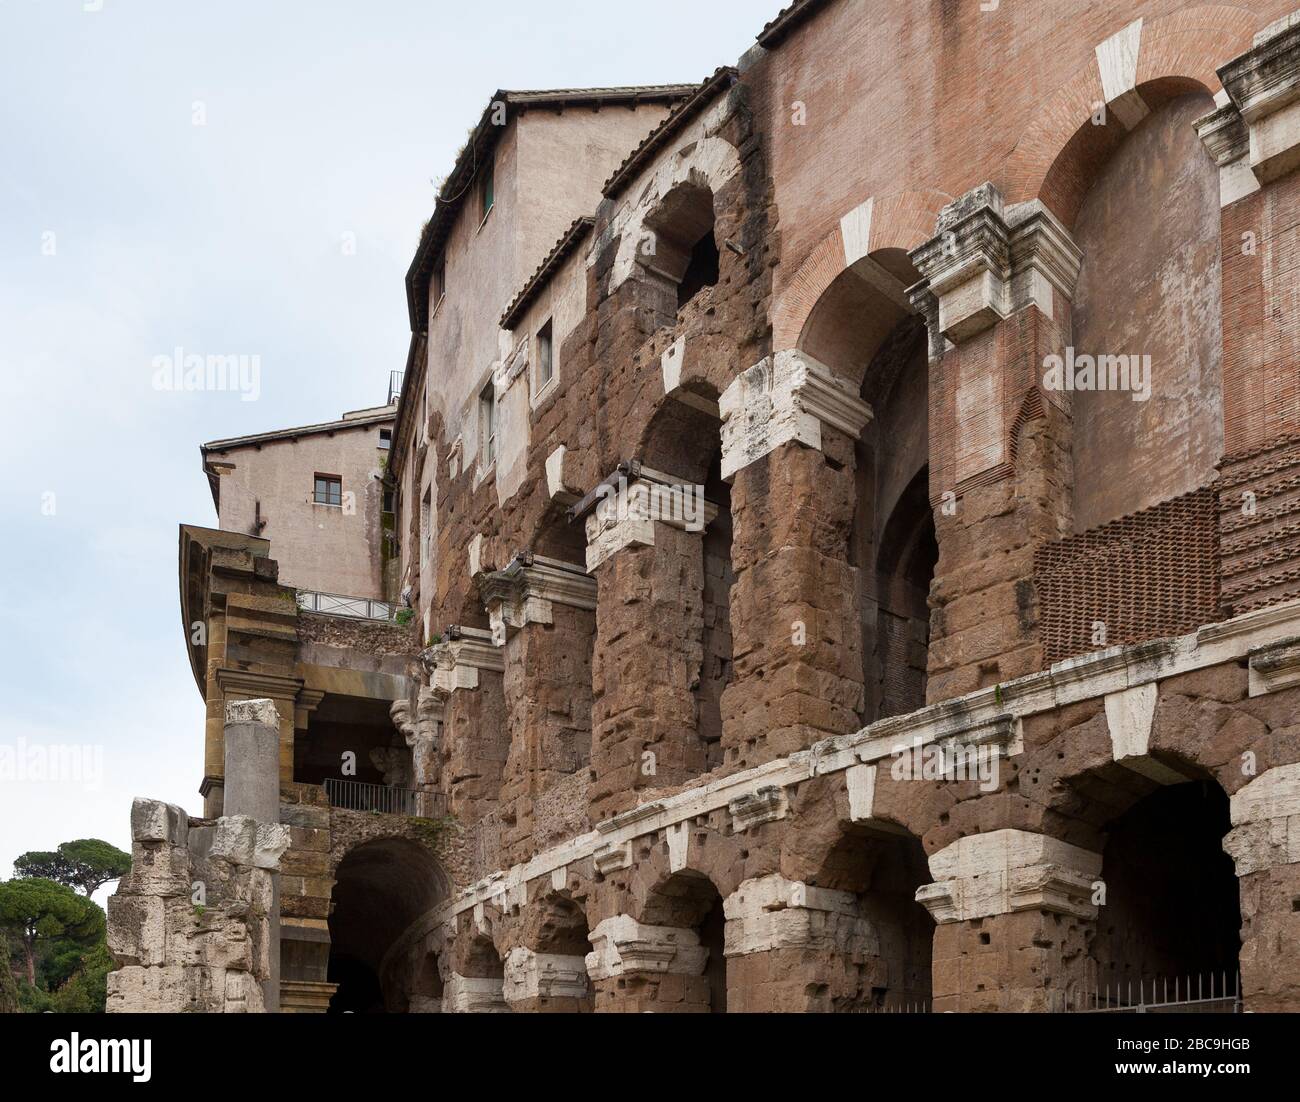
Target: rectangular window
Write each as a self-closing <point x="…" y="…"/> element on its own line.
<point x="385" y="439"/>
<point x="390" y="502"/>
<point x="488" y="188"/>
<point x="439" y="281"/>
<point x="545" y="356"/>
<point x="487" y="404"/>
<point x="329" y="490"/>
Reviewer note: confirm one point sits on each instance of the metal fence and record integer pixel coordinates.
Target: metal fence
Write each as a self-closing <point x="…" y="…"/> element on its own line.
<point x="357" y="796"/>
<point x="1204" y="993"/>
<point x="334" y="604"/>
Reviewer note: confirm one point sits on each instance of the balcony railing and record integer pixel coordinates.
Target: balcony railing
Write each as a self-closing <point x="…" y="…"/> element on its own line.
<point x="394" y="386"/>
<point x="359" y="796"/>
<point x="335" y="604"/>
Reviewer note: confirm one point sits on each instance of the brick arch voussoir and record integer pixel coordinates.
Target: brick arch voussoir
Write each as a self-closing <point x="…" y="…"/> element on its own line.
<point x="901" y="220"/>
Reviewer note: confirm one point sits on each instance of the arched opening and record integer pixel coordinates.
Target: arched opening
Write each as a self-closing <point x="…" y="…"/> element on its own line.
<point x="1171" y="916"/>
<point x="381" y="888"/>
<point x="684" y="251"/>
<point x="909" y="552"/>
<point x="863" y="327"/>
<point x="562" y="928"/>
<point x="884" y="868"/>
<point x="683" y="442"/>
<point x="1147" y="419"/>
<point x="689" y="900"/>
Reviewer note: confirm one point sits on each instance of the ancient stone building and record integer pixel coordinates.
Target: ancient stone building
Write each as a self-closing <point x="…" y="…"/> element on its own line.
<point x="847" y="512"/>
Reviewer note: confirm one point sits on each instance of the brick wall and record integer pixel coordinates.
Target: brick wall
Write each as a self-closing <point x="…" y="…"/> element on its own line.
<point x="1149" y="575"/>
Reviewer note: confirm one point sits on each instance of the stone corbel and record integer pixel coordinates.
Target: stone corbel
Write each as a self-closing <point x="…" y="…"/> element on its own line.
<point x="531" y="975"/>
<point x="526" y="590"/>
<point x="1263" y="85"/>
<point x="624" y="947"/>
<point x="1010" y="870"/>
<point x="783" y="398"/>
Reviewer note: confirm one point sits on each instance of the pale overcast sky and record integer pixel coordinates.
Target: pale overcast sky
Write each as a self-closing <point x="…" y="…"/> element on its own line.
<point x="126" y="231"/>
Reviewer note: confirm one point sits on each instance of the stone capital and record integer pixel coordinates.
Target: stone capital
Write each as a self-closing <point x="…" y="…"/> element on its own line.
<point x="771" y="912"/>
<point x="1006" y="871"/>
<point x="456" y="663"/>
<point x="623" y="947"/>
<point x="987" y="262"/>
<point x="531" y="975"/>
<point x="628" y="512"/>
<point x="782" y="398"/>
<point x="467" y="995"/>
<point x="1263" y="85"/>
<point x="527" y="589"/>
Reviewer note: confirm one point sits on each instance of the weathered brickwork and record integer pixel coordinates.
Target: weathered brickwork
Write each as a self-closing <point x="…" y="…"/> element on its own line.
<point x="815" y="639"/>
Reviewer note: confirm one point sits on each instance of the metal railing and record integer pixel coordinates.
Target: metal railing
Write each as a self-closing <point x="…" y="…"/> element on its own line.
<point x="358" y="796"/>
<point x="335" y="604"/>
<point x="1211" y="993"/>
<point x="394" y="386"/>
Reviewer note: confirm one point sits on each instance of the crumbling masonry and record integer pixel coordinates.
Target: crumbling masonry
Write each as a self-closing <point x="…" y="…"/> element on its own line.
<point x="781" y="632"/>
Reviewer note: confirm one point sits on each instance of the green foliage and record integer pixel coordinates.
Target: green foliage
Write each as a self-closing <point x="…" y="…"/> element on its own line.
<point x="88" y="864"/>
<point x="8" y="985"/>
<point x="38" y="913"/>
<point x="87" y="990"/>
<point x="405" y="616"/>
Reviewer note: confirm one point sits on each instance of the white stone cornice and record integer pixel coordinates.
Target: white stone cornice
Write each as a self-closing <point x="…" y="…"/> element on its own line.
<point x="623" y="947"/>
<point x="999" y="711"/>
<point x="766" y="805"/>
<point x="1003" y="871"/>
<point x="783" y="398"/>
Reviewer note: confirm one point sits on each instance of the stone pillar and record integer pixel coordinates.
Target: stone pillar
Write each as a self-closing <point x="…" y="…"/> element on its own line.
<point x="648" y="559"/>
<point x="252" y="748"/>
<point x="422" y="733"/>
<point x="546" y="983"/>
<point x="639" y="969"/>
<point x="1264" y="843"/>
<point x="543" y="615"/>
<point x="1254" y="138"/>
<point x="1014" y="915"/>
<point x="795" y="948"/>
<point x="996" y="295"/>
<point x="788" y="434"/>
<point x="465" y="672"/>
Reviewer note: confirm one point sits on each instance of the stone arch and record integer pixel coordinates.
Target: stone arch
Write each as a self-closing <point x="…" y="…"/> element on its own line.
<point x="1148" y="67"/>
<point x="888" y="225"/>
<point x="382" y="886"/>
<point x="706" y="165"/>
<point x="690" y="900"/>
<point x="684" y="442"/>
